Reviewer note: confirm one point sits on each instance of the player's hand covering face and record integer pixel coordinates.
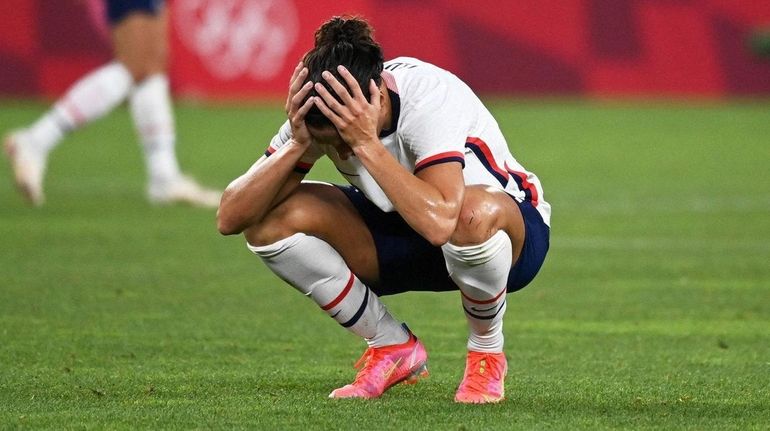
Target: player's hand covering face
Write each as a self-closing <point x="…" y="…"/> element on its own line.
<point x="295" y="109"/>
<point x="356" y="118"/>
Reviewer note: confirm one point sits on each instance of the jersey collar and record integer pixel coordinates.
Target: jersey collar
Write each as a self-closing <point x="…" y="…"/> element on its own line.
<point x="395" y="112"/>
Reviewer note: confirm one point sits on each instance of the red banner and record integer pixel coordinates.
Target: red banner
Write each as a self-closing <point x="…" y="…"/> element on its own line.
<point x="247" y="48"/>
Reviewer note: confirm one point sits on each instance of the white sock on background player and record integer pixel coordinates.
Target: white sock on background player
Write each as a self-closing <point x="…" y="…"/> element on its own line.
<point x="481" y="273"/>
<point x="151" y="109"/>
<point x="150" y="105"/>
<point x="90" y="98"/>
<point x="314" y="268"/>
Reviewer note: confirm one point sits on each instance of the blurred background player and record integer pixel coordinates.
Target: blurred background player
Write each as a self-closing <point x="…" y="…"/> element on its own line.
<point x="436" y="203"/>
<point x="138" y="72"/>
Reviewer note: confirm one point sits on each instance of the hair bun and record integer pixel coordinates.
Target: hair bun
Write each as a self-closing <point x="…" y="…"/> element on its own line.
<point x="339" y="29"/>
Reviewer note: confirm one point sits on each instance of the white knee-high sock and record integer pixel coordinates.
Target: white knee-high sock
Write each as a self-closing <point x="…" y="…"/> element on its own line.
<point x="90" y="98"/>
<point x="317" y="270"/>
<point x="481" y="272"/>
<point x="151" y="110"/>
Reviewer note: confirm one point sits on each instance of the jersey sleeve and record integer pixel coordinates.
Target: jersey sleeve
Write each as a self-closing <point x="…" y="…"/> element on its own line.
<point x="307" y="160"/>
<point x="433" y="125"/>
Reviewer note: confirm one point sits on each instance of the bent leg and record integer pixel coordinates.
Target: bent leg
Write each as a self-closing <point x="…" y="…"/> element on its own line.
<point x="487" y="241"/>
<point x="89" y="99"/>
<point x="100" y="91"/>
<point x="140" y="41"/>
<point x="316" y="241"/>
<point x="321" y="210"/>
<point x="139" y="44"/>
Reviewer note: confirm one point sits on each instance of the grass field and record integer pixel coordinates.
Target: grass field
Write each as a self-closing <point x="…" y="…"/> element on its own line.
<point x="652" y="311"/>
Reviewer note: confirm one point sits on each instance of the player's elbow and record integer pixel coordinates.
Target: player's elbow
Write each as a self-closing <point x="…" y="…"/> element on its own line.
<point x="229" y="221"/>
<point x="437" y="240"/>
<point x="439" y="234"/>
<point x="439" y="227"/>
<point x="226" y="228"/>
<point x="227" y="224"/>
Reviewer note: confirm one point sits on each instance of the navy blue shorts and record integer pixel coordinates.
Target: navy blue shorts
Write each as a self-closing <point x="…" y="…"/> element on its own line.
<point x="119" y="9"/>
<point x="408" y="262"/>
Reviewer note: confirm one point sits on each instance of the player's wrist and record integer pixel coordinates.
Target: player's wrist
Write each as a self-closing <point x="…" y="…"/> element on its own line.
<point x="300" y="144"/>
<point x="369" y="149"/>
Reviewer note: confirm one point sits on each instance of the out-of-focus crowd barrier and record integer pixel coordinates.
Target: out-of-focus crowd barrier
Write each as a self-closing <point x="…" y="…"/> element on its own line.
<point x="247" y="48"/>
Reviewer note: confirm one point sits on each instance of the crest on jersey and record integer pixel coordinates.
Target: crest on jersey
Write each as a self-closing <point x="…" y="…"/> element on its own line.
<point x="238" y="38"/>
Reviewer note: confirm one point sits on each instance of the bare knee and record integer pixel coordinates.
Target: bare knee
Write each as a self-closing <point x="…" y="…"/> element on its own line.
<point x="485" y="211"/>
<point x="142" y="64"/>
<point x="281" y="222"/>
<point x="141" y="45"/>
<point x="322" y="211"/>
<point x="477" y="219"/>
<point x="143" y="69"/>
<point x="312" y="209"/>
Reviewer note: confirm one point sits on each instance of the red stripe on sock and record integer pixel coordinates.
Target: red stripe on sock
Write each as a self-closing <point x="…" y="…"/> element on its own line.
<point x="488" y="301"/>
<point x="77" y="117"/>
<point x="341" y="296"/>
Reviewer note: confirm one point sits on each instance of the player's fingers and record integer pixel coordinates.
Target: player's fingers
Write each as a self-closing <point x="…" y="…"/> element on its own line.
<point x="295" y="100"/>
<point x="355" y="89"/>
<point x="337" y="87"/>
<point x="340" y="109"/>
<point x="374" y="94"/>
<point x="296" y="71"/>
<point x="328" y="113"/>
<point x="296" y="84"/>
<point x="300" y="95"/>
<point x="302" y="111"/>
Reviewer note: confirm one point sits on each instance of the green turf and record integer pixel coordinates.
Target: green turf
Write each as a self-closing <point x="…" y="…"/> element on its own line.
<point x="652" y="311"/>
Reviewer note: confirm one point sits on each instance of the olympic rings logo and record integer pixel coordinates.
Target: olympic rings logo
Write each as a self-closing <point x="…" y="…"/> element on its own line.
<point x="237" y="38"/>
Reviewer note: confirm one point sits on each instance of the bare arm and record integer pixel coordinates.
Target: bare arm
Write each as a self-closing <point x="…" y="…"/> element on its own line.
<point x="429" y="201"/>
<point x="249" y="197"/>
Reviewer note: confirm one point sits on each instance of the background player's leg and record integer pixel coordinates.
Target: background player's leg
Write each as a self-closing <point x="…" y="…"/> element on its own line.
<point x="90" y="98"/>
<point x="140" y="41"/>
<point x="151" y="111"/>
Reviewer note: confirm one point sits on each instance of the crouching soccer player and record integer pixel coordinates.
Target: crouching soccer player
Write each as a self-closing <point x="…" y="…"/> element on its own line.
<point x="436" y="202"/>
<point x="138" y="73"/>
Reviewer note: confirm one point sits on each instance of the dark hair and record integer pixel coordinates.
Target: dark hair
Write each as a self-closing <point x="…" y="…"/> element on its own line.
<point x="343" y="41"/>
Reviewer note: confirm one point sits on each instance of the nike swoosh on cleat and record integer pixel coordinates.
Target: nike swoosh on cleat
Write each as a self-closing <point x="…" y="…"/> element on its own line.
<point x="387" y="373"/>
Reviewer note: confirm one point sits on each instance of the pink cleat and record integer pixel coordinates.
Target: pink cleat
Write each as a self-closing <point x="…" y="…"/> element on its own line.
<point x="384" y="367"/>
<point x="484" y="379"/>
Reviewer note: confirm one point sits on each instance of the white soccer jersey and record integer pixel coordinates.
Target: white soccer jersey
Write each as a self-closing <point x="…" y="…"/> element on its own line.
<point x="438" y="119"/>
